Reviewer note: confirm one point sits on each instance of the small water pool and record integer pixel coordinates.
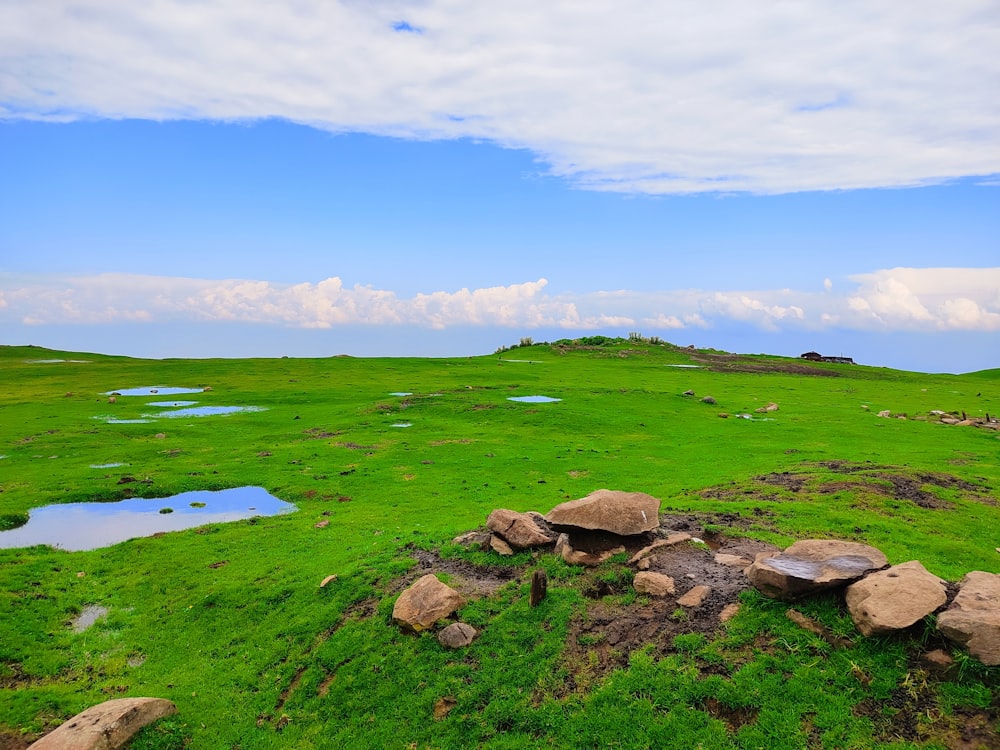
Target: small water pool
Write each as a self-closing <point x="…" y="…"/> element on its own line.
<point x="402" y="424"/>
<point x="533" y="399"/>
<point x="153" y="390"/>
<point x="171" y="404"/>
<point x="400" y="393"/>
<point x="106" y="466"/>
<point x="204" y="411"/>
<point x="83" y="526"/>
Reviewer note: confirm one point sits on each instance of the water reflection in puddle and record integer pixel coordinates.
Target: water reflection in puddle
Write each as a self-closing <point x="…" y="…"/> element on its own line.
<point x="533" y="399"/>
<point x="83" y="526"/>
<point x="53" y="361"/>
<point x="153" y="390"/>
<point x="204" y="411"/>
<point x="107" y="466"/>
<point x="170" y="404"/>
<point x="400" y="393"/>
<point x="87" y="617"/>
<point x="690" y="367"/>
<point x="115" y="420"/>
<point x="402" y="424"/>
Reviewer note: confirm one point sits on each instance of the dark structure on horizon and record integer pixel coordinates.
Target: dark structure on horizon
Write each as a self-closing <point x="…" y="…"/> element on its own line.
<point x="817" y="357"/>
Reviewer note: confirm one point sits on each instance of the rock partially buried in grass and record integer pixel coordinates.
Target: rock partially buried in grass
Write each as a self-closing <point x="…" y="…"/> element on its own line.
<point x="622" y="513"/>
<point x="973" y="619"/>
<point x="894" y="598"/>
<point x="519" y="530"/>
<point x="812" y="565"/>
<point x="106" y="726"/>
<point x="653" y="584"/>
<point x="457" y="635"/>
<point x="424" y="603"/>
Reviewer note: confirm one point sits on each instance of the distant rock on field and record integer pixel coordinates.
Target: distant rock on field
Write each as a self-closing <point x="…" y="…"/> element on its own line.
<point x="812" y="565"/>
<point x="622" y="513"/>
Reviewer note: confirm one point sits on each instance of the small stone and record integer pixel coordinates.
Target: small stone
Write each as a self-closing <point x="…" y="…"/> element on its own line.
<point x="501" y="547"/>
<point x="937" y="661"/>
<point x="81" y="574"/>
<point x="327" y="580"/>
<point x="643" y="564"/>
<point x="653" y="584"/>
<point x="708" y="400"/>
<point x="457" y="635"/>
<point x="731" y="561"/>
<point x="321" y="525"/>
<point x="443" y="707"/>
<point x="694" y="597"/>
<point x="729" y="612"/>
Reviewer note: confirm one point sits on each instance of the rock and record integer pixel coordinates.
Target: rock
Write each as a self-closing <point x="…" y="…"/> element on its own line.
<point x="812" y="565"/>
<point x="731" y="561"/>
<point x="937" y="661"/>
<point x="708" y="400"/>
<point x="518" y="529"/>
<point x="457" y="635"/>
<point x="729" y="612"/>
<point x="895" y="598"/>
<point x="654" y="584"/>
<point x="675" y="537"/>
<point x="581" y="557"/>
<point x="473" y="539"/>
<point x="443" y="706"/>
<point x="321" y="524"/>
<point x="973" y="619"/>
<point x="498" y="545"/>
<point x="769" y="407"/>
<point x="327" y="580"/>
<point x="106" y="726"/>
<point x="424" y="603"/>
<point x="644" y="564"/>
<point x="949" y="420"/>
<point x="694" y="597"/>
<point x="688" y="393"/>
<point x="723" y="415"/>
<point x="884" y="413"/>
<point x="622" y="513"/>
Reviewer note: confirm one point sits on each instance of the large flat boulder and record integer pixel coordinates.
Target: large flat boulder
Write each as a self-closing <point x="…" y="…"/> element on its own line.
<point x="106" y="726"/>
<point x="424" y="603"/>
<point x="614" y="511"/>
<point x="812" y="565"/>
<point x="519" y="529"/>
<point x="973" y="619"/>
<point x="894" y="598"/>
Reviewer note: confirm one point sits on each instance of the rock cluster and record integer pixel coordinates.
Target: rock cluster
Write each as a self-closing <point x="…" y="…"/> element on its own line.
<point x="882" y="599"/>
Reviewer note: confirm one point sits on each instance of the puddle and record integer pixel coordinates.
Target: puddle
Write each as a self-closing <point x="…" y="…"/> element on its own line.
<point x="169" y="404"/>
<point x="83" y="526"/>
<point x="400" y="393"/>
<point x="526" y="361"/>
<point x="90" y="614"/>
<point x="533" y="399"/>
<point x="53" y="361"/>
<point x="107" y="466"/>
<point x="115" y="420"/>
<point x="205" y="411"/>
<point x="402" y="424"/>
<point x="153" y="390"/>
<point x="688" y="367"/>
<point x="752" y="418"/>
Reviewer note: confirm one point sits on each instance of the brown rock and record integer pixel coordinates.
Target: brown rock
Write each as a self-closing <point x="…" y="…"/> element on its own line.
<point x="473" y="539"/>
<point x="424" y="603"/>
<point x="694" y="597"/>
<point x="443" y="706"/>
<point x="106" y="726"/>
<point x="973" y="619"/>
<point x="812" y="565"/>
<point x="457" y="635"/>
<point x="498" y="545"/>
<point x="654" y="584"/>
<point x="894" y="598"/>
<point x="731" y="561"/>
<point x="937" y="661"/>
<point x="643" y="564"/>
<point x="729" y="612"/>
<point x="582" y="557"/>
<point x="622" y="513"/>
<point x="518" y="529"/>
<point x="675" y="537"/>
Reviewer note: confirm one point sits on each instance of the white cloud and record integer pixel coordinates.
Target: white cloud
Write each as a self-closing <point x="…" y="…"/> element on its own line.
<point x="670" y="97"/>
<point x="921" y="299"/>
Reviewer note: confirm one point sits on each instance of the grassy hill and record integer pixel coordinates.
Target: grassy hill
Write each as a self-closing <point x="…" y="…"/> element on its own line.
<point x="230" y="623"/>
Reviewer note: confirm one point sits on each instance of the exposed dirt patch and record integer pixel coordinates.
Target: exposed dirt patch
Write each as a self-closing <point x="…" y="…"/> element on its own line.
<point x="738" y="363"/>
<point x="355" y="446"/>
<point x="468" y="579"/>
<point x="894" y="482"/>
<point x="11" y="741"/>
<point x="318" y="433"/>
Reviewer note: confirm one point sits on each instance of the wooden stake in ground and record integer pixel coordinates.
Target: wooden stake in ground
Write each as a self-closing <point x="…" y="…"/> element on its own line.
<point x="539" y="585"/>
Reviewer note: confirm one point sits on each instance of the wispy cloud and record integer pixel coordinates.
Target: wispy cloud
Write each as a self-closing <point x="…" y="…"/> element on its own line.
<point x="670" y="97"/>
<point x="898" y="299"/>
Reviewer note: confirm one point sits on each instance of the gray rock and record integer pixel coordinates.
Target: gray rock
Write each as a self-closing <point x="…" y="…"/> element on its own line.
<point x="973" y="619"/>
<point x="708" y="400"/>
<point x="457" y="635"/>
<point x="106" y="726"/>
<point x="895" y="598"/>
<point x="812" y="565"/>
<point x="424" y="603"/>
<point x="622" y="513"/>
<point x="519" y="529"/>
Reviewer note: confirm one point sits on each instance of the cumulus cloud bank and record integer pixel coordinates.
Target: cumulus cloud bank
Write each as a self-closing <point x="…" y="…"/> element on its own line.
<point x="669" y="97"/>
<point x="898" y="299"/>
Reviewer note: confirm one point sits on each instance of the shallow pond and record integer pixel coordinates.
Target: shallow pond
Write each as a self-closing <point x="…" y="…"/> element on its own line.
<point x="400" y="393"/>
<point x="402" y="424"/>
<point x="171" y="404"/>
<point x="83" y="526"/>
<point x="204" y="411"/>
<point x="106" y="466"/>
<point x="533" y="399"/>
<point x="152" y="390"/>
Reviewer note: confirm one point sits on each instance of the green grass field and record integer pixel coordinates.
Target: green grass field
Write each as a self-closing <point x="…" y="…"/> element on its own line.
<point x="229" y="622"/>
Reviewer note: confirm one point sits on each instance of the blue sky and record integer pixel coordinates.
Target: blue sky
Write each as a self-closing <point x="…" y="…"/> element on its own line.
<point x="431" y="179"/>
